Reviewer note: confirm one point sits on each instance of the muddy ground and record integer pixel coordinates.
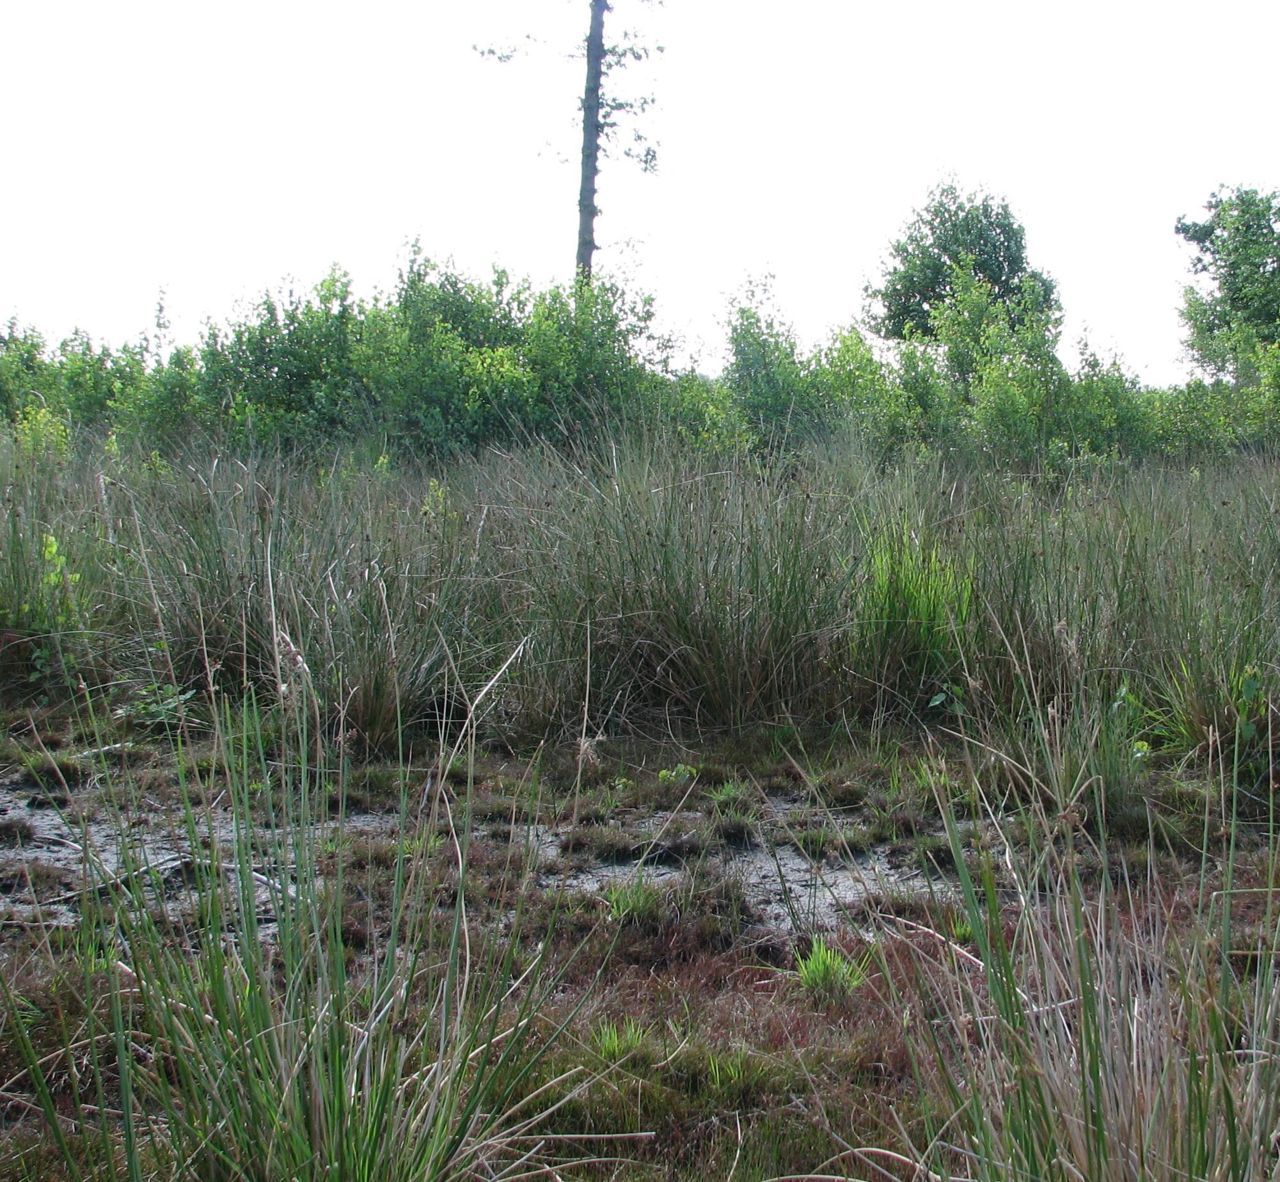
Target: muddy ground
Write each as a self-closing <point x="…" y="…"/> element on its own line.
<point x="681" y="892"/>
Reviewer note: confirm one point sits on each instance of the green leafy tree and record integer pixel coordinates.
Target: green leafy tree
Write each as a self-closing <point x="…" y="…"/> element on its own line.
<point x="954" y="228"/>
<point x="585" y="349"/>
<point x="1109" y="409"/>
<point x="93" y="378"/>
<point x="768" y="380"/>
<point x="1238" y="251"/>
<point x="166" y="405"/>
<point x="450" y="364"/>
<point x="1011" y="392"/>
<point x="848" y="379"/>
<point x="287" y="370"/>
<point x="25" y="372"/>
<point x="439" y="358"/>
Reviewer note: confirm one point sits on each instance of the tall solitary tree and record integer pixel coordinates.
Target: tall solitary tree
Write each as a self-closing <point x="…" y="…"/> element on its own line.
<point x="591" y="139"/>
<point x="602" y="107"/>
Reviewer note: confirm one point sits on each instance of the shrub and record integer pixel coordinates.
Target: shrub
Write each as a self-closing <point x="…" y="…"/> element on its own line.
<point x="848" y="381"/>
<point x="770" y="385"/>
<point x="25" y="372"/>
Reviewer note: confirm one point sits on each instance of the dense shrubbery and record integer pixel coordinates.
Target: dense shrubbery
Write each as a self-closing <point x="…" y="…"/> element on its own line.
<point x="441" y="365"/>
<point x="444" y="365"/>
<point x="447" y="365"/>
<point x="987" y="383"/>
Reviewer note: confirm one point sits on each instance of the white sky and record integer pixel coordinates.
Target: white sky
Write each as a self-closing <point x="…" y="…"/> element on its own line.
<point x="215" y="151"/>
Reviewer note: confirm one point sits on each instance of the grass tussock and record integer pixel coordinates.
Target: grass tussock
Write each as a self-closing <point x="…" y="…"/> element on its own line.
<point x="258" y="1009"/>
<point x="652" y="589"/>
<point x="1075" y="1026"/>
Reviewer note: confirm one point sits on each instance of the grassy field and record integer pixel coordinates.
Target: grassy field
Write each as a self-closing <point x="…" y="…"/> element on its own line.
<point x="637" y="813"/>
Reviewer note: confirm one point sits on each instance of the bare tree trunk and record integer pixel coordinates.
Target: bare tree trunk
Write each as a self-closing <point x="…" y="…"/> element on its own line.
<point x="591" y="139"/>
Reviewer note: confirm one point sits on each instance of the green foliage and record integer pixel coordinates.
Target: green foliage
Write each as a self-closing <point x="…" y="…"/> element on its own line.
<point x="155" y="706"/>
<point x="93" y="379"/>
<point x="40" y="435"/>
<point x="1108" y="411"/>
<point x="1020" y="390"/>
<point x="635" y="901"/>
<point x="443" y="365"/>
<point x="39" y="595"/>
<point x="780" y="396"/>
<point x="700" y="409"/>
<point x="987" y="381"/>
<point x="1204" y="419"/>
<point x="24" y="369"/>
<point x="287" y="372"/>
<point x="914" y="608"/>
<point x="585" y="348"/>
<point x="849" y="381"/>
<point x="730" y="797"/>
<point x="768" y="381"/>
<point x="1238" y="250"/>
<point x="615" y="1042"/>
<point x="167" y="402"/>
<point x="81" y="381"/>
<point x="827" y="974"/>
<point x="678" y="777"/>
<point x="442" y="359"/>
<point x="973" y="231"/>
<point x="928" y="390"/>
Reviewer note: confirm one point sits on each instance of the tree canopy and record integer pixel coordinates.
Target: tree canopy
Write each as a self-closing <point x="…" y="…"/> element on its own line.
<point x="975" y="232"/>
<point x="1238" y="250"/>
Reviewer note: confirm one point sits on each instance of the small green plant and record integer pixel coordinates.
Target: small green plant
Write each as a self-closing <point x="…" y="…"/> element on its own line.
<point x="435" y="499"/>
<point x="22" y="1010"/>
<point x="827" y="974"/>
<point x="916" y="603"/>
<point x="610" y="797"/>
<point x="615" y="1042"/>
<point x="156" y="706"/>
<point x="730" y="797"/>
<point x="40" y="434"/>
<point x="634" y="902"/>
<point x="677" y="777"/>
<point x="56" y="579"/>
<point x="421" y="845"/>
<point x="333" y="844"/>
<point x="727" y="1070"/>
